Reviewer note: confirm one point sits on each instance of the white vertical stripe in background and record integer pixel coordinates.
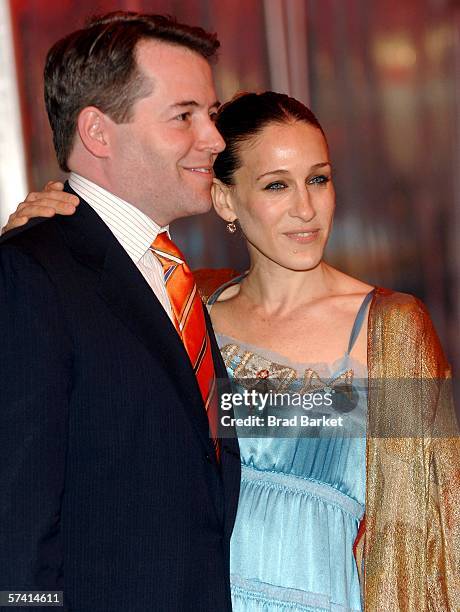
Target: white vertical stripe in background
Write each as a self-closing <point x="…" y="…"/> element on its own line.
<point x="13" y="181"/>
<point x="286" y="32"/>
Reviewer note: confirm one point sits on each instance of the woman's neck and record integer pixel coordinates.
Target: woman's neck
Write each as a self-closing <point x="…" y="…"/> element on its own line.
<point x="274" y="288"/>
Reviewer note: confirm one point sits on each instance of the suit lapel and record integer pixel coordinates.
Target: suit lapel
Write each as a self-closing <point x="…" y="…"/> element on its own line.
<point x="133" y="302"/>
<point x="138" y="308"/>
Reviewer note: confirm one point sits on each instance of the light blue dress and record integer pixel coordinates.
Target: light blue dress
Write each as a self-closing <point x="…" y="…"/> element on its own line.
<point x="302" y="498"/>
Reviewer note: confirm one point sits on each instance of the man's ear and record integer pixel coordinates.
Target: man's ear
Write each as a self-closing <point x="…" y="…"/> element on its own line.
<point x="93" y="130"/>
<point x="222" y="199"/>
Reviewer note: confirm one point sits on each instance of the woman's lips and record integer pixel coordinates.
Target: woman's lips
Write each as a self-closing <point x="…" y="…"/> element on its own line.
<point x="303" y="237"/>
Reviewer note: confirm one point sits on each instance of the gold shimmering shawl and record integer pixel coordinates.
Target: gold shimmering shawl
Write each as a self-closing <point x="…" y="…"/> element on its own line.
<point x="411" y="544"/>
<point x="408" y="548"/>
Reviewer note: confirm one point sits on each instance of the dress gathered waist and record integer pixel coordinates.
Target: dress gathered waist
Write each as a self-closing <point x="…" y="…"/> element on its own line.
<point x="306" y="486"/>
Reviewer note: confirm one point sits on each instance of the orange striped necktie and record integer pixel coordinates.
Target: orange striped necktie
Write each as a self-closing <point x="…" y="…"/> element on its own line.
<point x="189" y="321"/>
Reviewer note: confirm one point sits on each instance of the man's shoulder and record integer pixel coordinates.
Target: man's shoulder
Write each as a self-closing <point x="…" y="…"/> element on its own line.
<point x="37" y="232"/>
<point x="25" y="251"/>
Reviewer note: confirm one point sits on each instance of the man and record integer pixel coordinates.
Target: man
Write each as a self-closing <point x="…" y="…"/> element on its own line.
<point x="112" y="488"/>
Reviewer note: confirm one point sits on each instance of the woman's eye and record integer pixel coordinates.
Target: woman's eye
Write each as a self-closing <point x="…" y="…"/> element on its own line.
<point x="213" y="116"/>
<point x="275" y="186"/>
<point x="319" y="180"/>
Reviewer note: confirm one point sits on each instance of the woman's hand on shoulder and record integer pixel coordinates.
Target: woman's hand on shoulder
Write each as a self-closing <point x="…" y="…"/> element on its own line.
<point x="52" y="200"/>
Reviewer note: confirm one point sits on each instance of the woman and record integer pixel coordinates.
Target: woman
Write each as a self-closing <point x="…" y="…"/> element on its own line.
<point x="294" y="321"/>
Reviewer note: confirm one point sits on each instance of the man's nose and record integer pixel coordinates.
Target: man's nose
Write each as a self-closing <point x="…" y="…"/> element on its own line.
<point x="211" y="139"/>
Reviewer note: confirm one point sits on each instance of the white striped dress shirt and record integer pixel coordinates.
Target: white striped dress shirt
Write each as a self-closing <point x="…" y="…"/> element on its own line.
<point x="133" y="230"/>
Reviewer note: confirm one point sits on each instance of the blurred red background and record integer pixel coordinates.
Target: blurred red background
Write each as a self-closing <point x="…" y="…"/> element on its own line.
<point x="381" y="76"/>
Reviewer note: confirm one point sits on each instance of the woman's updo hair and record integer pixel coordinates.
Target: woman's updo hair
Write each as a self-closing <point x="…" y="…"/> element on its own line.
<point x="245" y="116"/>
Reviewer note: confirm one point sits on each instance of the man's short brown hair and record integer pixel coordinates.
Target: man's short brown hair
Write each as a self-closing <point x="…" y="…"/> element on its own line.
<point x="96" y="66"/>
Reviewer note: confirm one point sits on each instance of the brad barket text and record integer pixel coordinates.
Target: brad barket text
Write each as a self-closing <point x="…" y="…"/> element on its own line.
<point x="302" y="420"/>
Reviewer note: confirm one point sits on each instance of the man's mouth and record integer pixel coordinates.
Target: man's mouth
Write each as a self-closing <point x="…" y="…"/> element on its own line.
<point x="201" y="169"/>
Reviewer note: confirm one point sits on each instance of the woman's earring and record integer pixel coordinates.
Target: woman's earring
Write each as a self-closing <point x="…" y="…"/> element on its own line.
<point x="231" y="227"/>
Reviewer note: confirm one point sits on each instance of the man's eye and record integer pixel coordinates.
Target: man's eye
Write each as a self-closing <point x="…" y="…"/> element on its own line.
<point x="183" y="116"/>
<point x="213" y="116"/>
<point x="276" y="186"/>
<point x="319" y="180"/>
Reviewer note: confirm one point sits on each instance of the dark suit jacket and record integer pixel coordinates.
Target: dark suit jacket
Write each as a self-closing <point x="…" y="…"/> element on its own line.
<point x="109" y="486"/>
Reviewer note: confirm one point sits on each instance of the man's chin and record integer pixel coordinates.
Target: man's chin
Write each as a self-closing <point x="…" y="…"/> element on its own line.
<point x="190" y="207"/>
<point x="199" y="204"/>
<point x="200" y="210"/>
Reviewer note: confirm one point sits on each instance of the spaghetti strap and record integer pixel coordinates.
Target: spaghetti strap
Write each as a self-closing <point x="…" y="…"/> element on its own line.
<point x="214" y="296"/>
<point x="359" y="321"/>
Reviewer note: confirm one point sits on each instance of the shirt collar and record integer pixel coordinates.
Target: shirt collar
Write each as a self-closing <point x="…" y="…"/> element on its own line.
<point x="133" y="229"/>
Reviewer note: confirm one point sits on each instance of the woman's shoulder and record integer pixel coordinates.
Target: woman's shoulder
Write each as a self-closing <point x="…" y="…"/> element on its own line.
<point x="402" y="322"/>
<point x="389" y="303"/>
<point x="208" y="280"/>
<point x="384" y="300"/>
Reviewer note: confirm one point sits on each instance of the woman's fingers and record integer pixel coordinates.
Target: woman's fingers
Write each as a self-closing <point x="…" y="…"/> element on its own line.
<point x="43" y="204"/>
<point x="54" y="186"/>
<point x="53" y="198"/>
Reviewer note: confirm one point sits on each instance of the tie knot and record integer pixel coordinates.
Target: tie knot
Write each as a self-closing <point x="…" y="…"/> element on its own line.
<point x="164" y="247"/>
